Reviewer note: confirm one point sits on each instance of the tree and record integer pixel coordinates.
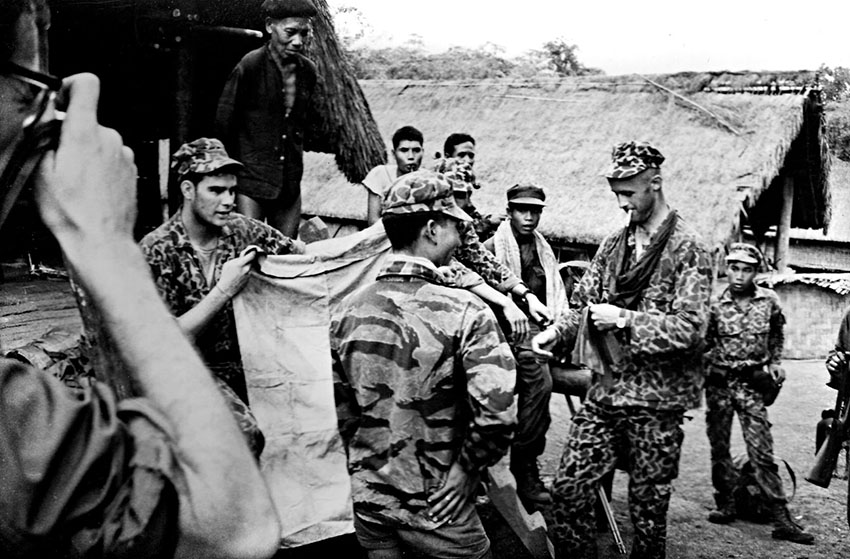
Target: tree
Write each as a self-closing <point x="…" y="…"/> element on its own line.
<point x="835" y="83"/>
<point x="561" y="58"/>
<point x="412" y="61"/>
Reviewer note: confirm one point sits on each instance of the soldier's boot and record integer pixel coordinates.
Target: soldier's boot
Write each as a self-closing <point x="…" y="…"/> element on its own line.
<point x="530" y="488"/>
<point x="725" y="512"/>
<point x="784" y="527"/>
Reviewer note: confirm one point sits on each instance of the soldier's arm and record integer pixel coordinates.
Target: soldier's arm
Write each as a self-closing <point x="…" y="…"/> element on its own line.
<point x="587" y="291"/>
<point x="234" y="276"/>
<point x="776" y="335"/>
<point x="680" y="329"/>
<point x="347" y="409"/>
<point x="711" y="331"/>
<point x="474" y="256"/>
<point x="86" y="196"/>
<point x="490" y="378"/>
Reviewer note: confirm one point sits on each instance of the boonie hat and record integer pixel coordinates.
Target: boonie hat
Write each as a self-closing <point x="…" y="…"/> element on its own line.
<point x="419" y="192"/>
<point x="744" y="253"/>
<point x="459" y="174"/>
<point x="526" y="195"/>
<point x="631" y="158"/>
<point x="203" y="155"/>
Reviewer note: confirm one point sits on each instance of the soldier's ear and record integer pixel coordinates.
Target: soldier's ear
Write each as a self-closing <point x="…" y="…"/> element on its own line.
<point x="429" y="231"/>
<point x="656" y="182"/>
<point x="188" y="189"/>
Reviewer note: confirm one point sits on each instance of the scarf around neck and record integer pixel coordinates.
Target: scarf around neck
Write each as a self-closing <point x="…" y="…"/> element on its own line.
<point x="625" y="286"/>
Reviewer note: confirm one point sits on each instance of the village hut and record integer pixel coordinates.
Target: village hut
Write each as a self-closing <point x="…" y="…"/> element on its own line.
<point x="163" y="64"/>
<point x="742" y="149"/>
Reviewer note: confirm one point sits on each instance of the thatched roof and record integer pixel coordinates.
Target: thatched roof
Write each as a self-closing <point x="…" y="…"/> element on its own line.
<point x="838" y="283"/>
<point x="348" y="129"/>
<point x="344" y="125"/>
<point x="839" y="223"/>
<point x="721" y="149"/>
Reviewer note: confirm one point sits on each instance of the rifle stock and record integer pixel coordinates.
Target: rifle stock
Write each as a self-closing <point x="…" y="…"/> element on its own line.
<point x="827" y="455"/>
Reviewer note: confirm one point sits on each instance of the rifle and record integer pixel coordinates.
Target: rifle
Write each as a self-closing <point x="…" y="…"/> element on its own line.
<point x="827" y="455"/>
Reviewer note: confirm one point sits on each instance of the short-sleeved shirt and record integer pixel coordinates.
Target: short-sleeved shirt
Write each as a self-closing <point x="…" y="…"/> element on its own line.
<point x="179" y="277"/>
<point x="82" y="476"/>
<point x="380" y="179"/>
<point x="741" y="337"/>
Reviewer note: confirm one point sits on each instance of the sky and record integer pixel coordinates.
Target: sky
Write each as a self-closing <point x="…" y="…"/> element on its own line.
<point x="619" y="37"/>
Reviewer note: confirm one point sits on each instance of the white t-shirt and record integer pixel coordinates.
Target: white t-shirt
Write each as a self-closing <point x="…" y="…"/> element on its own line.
<point x="380" y="178"/>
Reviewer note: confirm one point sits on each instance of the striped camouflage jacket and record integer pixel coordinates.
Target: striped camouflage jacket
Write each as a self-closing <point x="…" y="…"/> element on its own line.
<point x="423" y="377"/>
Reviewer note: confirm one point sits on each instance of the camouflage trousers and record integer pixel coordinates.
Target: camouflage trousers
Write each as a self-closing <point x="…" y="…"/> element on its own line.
<point x="651" y="443"/>
<point x="723" y="398"/>
<point x="533" y="390"/>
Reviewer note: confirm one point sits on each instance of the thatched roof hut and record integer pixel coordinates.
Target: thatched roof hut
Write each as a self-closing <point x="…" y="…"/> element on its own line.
<point x="724" y="151"/>
<point x="163" y="64"/>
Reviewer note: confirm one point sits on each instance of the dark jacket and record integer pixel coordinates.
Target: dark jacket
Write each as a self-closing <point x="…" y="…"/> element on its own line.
<point x="252" y="123"/>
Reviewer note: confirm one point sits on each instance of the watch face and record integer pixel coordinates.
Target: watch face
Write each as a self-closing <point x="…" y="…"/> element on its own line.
<point x="621" y="322"/>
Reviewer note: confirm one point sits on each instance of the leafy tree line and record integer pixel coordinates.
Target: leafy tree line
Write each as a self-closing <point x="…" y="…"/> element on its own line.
<point x="412" y="61"/>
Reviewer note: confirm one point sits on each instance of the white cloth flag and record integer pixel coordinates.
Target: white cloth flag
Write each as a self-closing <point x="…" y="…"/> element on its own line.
<point x="282" y="320"/>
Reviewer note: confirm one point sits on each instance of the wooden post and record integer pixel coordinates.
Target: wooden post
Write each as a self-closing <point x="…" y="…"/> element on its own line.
<point x="783" y="230"/>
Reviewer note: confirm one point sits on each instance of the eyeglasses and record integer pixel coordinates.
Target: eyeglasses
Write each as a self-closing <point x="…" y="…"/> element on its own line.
<point x="42" y="86"/>
<point x="36" y="136"/>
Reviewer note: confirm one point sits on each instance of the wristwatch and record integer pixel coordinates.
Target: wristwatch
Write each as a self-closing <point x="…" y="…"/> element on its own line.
<point x="623" y="319"/>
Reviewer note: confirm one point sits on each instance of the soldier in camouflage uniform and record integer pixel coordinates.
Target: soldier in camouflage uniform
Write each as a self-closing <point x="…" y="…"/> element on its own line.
<point x="424" y="382"/>
<point x="498" y="277"/>
<point x="460" y="146"/>
<point x="646" y="295"/>
<point x="199" y="260"/>
<point x="744" y="344"/>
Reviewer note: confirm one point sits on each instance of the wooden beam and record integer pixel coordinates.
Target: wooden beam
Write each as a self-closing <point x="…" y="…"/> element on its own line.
<point x="529" y="528"/>
<point x="783" y="230"/>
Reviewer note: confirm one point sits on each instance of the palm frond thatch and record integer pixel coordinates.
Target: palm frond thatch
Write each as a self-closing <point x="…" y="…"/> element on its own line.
<point x="346" y="127"/>
<point x="559" y="132"/>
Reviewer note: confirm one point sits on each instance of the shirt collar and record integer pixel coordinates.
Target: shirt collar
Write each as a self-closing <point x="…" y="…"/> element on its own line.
<point x="175" y="225"/>
<point x="402" y="265"/>
<point x="758" y="293"/>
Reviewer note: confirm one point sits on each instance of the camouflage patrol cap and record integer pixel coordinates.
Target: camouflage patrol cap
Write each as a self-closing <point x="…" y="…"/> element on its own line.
<point x="458" y="173"/>
<point x="419" y="192"/>
<point x="203" y="155"/>
<point x="279" y="9"/>
<point x="744" y="253"/>
<point x="631" y="158"/>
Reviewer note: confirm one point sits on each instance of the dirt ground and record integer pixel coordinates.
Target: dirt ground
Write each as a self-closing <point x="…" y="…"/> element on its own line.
<point x="690" y="535"/>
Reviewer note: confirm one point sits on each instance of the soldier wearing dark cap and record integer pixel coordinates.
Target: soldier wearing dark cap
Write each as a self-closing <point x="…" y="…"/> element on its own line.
<point x="263" y="113"/>
<point x="522" y="249"/>
<point x="424" y="384"/>
<point x="743" y="354"/>
<point x="199" y="258"/>
<point x="637" y="315"/>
